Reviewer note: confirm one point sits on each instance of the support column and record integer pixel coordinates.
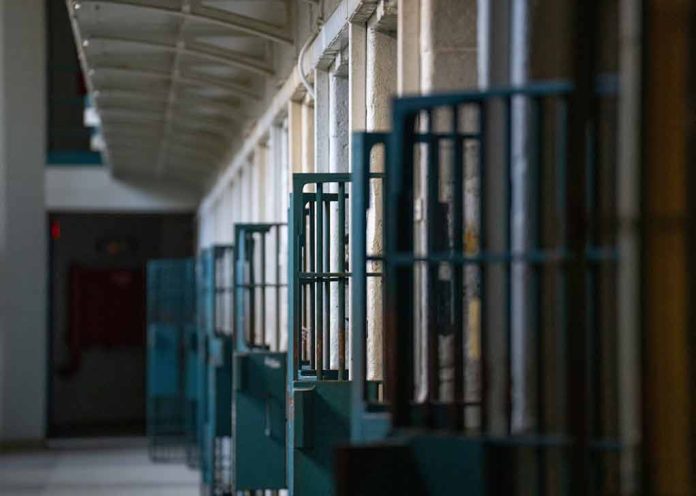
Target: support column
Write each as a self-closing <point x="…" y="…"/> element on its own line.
<point x="280" y="172"/>
<point x="259" y="183"/>
<point x="381" y="85"/>
<point x="448" y="45"/>
<point x="338" y="117"/>
<point x="338" y="162"/>
<point x="245" y="214"/>
<point x="408" y="23"/>
<point x="448" y="61"/>
<point x="321" y="121"/>
<point x="307" y="136"/>
<point x="23" y="252"/>
<point x="295" y="140"/>
<point x="357" y="73"/>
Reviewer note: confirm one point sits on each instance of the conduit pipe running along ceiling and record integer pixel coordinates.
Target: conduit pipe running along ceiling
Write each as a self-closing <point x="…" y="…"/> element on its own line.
<point x="171" y="80"/>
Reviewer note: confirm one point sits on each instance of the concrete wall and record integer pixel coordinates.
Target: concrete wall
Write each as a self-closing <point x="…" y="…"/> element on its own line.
<point x="22" y="221"/>
<point x="27" y="190"/>
<point x="94" y="189"/>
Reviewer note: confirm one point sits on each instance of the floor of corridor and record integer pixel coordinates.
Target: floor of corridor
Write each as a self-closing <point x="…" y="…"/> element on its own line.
<point x="117" y="467"/>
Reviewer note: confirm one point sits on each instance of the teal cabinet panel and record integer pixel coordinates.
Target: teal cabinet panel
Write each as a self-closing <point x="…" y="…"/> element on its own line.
<point x="321" y="424"/>
<point x="259" y="420"/>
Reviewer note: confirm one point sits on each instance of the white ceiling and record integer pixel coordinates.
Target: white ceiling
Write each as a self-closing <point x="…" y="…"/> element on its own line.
<point x="172" y="79"/>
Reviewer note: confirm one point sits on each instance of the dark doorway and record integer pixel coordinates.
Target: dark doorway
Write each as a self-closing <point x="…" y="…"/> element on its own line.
<point x="97" y="318"/>
<point x="107" y="310"/>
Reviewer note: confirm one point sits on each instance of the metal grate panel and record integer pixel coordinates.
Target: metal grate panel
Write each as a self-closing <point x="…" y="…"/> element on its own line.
<point x="170" y="304"/>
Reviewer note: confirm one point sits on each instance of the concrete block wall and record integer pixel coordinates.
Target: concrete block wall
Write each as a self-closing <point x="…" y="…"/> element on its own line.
<point x="23" y="229"/>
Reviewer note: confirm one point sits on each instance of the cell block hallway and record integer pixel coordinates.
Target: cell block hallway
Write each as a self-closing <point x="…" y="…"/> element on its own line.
<point x="347" y="247"/>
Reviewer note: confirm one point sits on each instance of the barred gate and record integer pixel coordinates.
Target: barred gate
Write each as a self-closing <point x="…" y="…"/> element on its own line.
<point x="259" y="402"/>
<point x="479" y="366"/>
<point x="215" y="320"/>
<point x="318" y="385"/>
<point x="170" y="318"/>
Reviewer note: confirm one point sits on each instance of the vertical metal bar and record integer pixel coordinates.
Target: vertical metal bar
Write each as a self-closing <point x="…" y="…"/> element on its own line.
<point x="483" y="247"/>
<point x="342" y="279"/>
<point x="304" y="289"/>
<point x="508" y="265"/>
<point x="536" y="221"/>
<point x="210" y="370"/>
<point x="229" y="287"/>
<point x="216" y="290"/>
<point x="251" y="249"/>
<point x="457" y="248"/>
<point x="312" y="285"/>
<point x="236" y="285"/>
<point x="326" y="268"/>
<point x="263" y="287"/>
<point x="296" y="293"/>
<point x="277" y="287"/>
<point x="432" y="223"/>
<point x="358" y="286"/>
<point x="593" y="286"/>
<point x="319" y="319"/>
<point x="561" y="350"/>
<point x="582" y="122"/>
<point x="399" y="286"/>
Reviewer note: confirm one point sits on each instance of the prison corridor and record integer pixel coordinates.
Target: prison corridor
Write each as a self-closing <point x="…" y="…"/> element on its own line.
<point x="348" y="247"/>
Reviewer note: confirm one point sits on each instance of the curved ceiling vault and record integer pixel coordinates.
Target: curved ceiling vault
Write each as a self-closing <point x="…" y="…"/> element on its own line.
<point x="171" y="80"/>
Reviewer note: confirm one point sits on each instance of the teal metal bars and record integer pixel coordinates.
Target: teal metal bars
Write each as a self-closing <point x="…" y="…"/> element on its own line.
<point x="170" y="318"/>
<point x="317" y="384"/>
<point x="471" y="121"/>
<point x="215" y="318"/>
<point x="205" y="310"/>
<point x="458" y="246"/>
<point x="369" y="419"/>
<point x="192" y="395"/>
<point x="258" y="404"/>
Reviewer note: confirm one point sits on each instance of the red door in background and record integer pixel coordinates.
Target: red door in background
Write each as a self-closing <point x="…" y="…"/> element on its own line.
<point x="107" y="309"/>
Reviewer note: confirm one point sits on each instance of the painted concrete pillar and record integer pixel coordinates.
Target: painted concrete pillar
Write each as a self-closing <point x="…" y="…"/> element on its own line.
<point x="280" y="173"/>
<point x="357" y="73"/>
<point x="245" y="185"/>
<point x="408" y="47"/>
<point x="438" y="51"/>
<point x="338" y="162"/>
<point x="237" y="198"/>
<point x="381" y="78"/>
<point x="259" y="193"/>
<point x="308" y="135"/>
<point x="23" y="252"/>
<point x="338" y="120"/>
<point x="322" y="111"/>
<point x="295" y="140"/>
<point x="448" y="45"/>
<point x="381" y="85"/>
